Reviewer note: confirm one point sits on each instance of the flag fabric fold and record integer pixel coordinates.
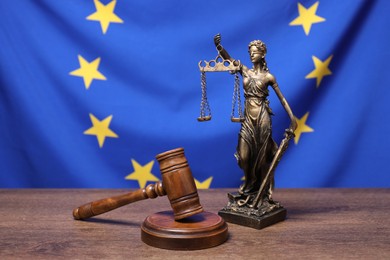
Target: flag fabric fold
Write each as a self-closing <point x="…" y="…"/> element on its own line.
<point x="91" y="91"/>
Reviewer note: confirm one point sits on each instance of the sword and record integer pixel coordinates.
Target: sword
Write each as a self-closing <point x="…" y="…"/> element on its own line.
<point x="278" y="155"/>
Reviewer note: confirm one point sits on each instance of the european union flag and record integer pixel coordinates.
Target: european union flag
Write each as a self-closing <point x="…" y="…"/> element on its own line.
<point x="91" y="91"/>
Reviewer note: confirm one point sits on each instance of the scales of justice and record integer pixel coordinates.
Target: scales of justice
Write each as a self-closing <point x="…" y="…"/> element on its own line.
<point x="257" y="153"/>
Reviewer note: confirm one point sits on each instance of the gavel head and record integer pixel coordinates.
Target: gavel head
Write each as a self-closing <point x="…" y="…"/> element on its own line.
<point x="179" y="184"/>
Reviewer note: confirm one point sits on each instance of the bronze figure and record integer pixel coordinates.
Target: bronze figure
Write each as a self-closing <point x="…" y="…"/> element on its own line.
<point x="257" y="153"/>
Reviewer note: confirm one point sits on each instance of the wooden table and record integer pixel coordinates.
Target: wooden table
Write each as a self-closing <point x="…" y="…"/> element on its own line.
<point x="321" y="224"/>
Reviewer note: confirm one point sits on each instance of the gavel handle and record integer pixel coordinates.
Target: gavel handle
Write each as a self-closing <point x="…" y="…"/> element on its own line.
<point x="104" y="205"/>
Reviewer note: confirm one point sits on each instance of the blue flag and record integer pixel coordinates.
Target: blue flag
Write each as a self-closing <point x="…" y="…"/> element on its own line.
<point x="91" y="91"/>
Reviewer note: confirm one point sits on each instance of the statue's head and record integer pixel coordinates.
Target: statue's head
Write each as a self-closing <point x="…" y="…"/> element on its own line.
<point x="257" y="51"/>
<point x="259" y="45"/>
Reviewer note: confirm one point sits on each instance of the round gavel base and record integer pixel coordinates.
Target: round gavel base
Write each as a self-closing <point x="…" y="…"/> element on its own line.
<point x="200" y="231"/>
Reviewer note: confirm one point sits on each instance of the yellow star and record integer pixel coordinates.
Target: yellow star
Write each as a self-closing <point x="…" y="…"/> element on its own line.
<point x="142" y="174"/>
<point x="105" y="14"/>
<point x="302" y="128"/>
<point x="203" y="185"/>
<point x="321" y="69"/>
<point x="100" y="129"/>
<point x="307" y="17"/>
<point x="88" y="71"/>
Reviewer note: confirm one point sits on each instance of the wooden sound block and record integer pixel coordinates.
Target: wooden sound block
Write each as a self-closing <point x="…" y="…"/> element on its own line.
<point x="199" y="231"/>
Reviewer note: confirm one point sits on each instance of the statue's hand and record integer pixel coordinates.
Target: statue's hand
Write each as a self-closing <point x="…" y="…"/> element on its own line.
<point x="217" y="39"/>
<point x="289" y="132"/>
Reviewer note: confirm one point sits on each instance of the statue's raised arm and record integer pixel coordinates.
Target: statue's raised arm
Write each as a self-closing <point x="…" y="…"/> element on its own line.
<point x="224" y="54"/>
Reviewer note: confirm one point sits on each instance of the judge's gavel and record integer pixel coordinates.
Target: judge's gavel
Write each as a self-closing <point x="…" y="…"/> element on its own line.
<point x="177" y="183"/>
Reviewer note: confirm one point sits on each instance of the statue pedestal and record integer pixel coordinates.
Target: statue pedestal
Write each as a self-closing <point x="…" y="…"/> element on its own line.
<point x="253" y="221"/>
<point x="199" y="231"/>
<point x="238" y="212"/>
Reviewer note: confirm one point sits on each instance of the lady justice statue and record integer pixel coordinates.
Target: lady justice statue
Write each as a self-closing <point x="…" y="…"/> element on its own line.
<point x="257" y="153"/>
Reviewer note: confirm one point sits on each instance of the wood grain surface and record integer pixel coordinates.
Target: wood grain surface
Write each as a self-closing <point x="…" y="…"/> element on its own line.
<point x="320" y="224"/>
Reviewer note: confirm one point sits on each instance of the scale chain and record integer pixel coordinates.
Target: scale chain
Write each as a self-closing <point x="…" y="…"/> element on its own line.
<point x="236" y="98"/>
<point x="237" y="84"/>
<point x="204" y="105"/>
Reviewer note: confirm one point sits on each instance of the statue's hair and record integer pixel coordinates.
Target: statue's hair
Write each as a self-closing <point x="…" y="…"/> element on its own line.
<point x="261" y="46"/>
<point x="258" y="44"/>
